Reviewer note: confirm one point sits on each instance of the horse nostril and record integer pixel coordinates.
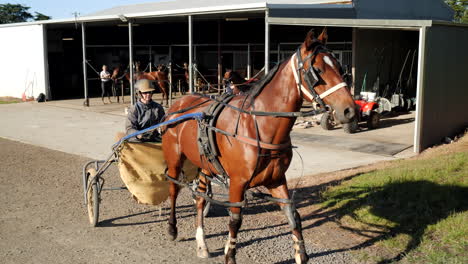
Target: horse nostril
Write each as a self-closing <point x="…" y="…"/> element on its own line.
<point x="349" y="113"/>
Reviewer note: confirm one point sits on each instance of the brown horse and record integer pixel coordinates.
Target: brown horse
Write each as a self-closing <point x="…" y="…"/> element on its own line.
<point x="160" y="77"/>
<point x="235" y="81"/>
<point x="257" y="149"/>
<point x="115" y="80"/>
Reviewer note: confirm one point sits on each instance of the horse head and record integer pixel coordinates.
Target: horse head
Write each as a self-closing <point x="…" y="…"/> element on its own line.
<point x="161" y="68"/>
<point x="320" y="74"/>
<point x="115" y="73"/>
<point x="234" y="78"/>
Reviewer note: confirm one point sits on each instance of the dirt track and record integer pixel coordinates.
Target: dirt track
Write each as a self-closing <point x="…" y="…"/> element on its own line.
<point x="44" y="221"/>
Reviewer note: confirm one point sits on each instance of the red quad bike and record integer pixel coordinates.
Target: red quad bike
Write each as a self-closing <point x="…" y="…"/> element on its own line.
<point x="366" y="111"/>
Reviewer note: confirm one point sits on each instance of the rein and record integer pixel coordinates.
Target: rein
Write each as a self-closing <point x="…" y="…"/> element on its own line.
<point x="255" y="113"/>
<point x="311" y="77"/>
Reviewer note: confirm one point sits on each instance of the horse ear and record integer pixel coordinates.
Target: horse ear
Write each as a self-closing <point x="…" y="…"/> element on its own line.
<point x="310" y="39"/>
<point x="323" y="36"/>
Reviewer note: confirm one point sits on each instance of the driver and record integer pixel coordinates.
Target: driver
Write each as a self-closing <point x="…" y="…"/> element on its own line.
<point x="145" y="113"/>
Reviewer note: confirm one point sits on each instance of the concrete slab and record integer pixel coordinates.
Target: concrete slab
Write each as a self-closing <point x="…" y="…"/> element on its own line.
<point x="70" y="127"/>
<point x="82" y="132"/>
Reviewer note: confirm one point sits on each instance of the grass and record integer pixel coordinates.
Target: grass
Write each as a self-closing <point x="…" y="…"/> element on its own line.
<point x="414" y="212"/>
<point x="9" y="100"/>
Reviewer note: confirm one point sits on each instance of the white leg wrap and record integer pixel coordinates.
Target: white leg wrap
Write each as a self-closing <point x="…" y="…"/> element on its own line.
<point x="231" y="243"/>
<point x="202" y="249"/>
<point x="297" y="249"/>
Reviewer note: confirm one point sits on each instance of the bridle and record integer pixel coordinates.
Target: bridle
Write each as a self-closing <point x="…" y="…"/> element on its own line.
<point x="311" y="76"/>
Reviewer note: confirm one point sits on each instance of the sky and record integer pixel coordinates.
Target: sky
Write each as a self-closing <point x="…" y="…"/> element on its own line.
<point x="58" y="9"/>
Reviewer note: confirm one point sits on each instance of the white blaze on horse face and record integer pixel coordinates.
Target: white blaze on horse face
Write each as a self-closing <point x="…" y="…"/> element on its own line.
<point x="328" y="61"/>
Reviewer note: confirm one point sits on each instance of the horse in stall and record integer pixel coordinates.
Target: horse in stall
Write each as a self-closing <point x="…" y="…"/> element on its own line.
<point x="159" y="76"/>
<point x="252" y="136"/>
<point x="233" y="81"/>
<point x="115" y="81"/>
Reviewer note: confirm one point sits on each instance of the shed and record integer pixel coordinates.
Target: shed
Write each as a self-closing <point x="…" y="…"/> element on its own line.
<point x="50" y="53"/>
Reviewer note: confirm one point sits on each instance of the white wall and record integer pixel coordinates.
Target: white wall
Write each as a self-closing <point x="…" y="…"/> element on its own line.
<point x="22" y="65"/>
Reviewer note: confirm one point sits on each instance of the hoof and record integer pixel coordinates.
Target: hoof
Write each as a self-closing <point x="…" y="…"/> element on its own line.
<point x="230" y="260"/>
<point x="203" y="253"/>
<point x="172" y="232"/>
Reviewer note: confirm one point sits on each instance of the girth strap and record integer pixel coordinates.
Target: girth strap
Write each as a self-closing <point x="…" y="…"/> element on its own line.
<point x="206" y="137"/>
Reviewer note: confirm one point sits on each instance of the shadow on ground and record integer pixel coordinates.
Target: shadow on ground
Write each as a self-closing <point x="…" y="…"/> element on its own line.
<point x="411" y="206"/>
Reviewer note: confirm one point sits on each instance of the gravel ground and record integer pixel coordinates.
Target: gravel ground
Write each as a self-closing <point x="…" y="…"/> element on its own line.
<point x="44" y="220"/>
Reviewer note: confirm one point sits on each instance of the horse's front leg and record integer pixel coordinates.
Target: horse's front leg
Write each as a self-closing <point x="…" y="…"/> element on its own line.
<point x="202" y="249"/>
<point x="173" y="192"/>
<point x="236" y="194"/>
<point x="294" y="220"/>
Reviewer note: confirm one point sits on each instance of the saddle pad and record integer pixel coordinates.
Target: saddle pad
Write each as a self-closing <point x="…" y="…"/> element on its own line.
<point x="142" y="169"/>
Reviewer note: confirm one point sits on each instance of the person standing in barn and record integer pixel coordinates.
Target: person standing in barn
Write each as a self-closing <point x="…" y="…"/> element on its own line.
<point x="106" y="83"/>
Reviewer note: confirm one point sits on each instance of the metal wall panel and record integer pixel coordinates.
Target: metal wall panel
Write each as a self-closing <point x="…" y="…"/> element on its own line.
<point x="445" y="95"/>
<point x="23" y="60"/>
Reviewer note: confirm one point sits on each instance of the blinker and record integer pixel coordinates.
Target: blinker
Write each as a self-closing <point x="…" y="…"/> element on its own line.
<point x="312" y="76"/>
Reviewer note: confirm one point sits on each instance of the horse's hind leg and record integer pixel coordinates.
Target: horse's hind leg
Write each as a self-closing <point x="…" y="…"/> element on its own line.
<point x="294" y="220"/>
<point x="202" y="249"/>
<point x="173" y="172"/>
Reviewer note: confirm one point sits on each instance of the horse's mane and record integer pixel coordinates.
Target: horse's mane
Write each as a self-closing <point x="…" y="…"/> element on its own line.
<point x="258" y="86"/>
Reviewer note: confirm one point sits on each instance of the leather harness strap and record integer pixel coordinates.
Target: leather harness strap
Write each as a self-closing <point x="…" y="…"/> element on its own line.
<point x="253" y="141"/>
<point x="311" y="94"/>
<point x="263" y="145"/>
<point x="207" y="126"/>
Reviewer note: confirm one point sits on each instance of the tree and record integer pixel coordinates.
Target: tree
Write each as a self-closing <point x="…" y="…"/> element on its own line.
<point x="461" y="10"/>
<point x="16" y="13"/>
<point x="40" y="16"/>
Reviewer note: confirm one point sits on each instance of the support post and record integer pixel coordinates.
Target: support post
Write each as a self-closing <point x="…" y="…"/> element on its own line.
<point x="190" y="69"/>
<point x="46" y="63"/>
<point x="130" y="52"/>
<point x="170" y="75"/>
<point x="85" y="74"/>
<point x="150" y="60"/>
<point x="267" y="43"/>
<point x="195" y="70"/>
<point x="220" y="66"/>
<point x="419" y="119"/>
<point x="279" y="54"/>
<point x="353" y="68"/>
<point x="249" y="66"/>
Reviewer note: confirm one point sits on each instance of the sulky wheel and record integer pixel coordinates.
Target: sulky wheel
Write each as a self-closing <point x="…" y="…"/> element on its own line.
<point x="206" y="209"/>
<point x="351" y="127"/>
<point x="373" y="121"/>
<point x="327" y="122"/>
<point x="92" y="195"/>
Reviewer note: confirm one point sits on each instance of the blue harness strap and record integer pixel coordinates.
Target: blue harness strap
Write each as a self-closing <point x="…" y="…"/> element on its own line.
<point x="196" y="116"/>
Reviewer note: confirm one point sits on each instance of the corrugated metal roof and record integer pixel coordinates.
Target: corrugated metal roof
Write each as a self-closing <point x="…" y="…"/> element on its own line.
<point x="331" y="9"/>
<point x="190" y="7"/>
<point x="182" y="6"/>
